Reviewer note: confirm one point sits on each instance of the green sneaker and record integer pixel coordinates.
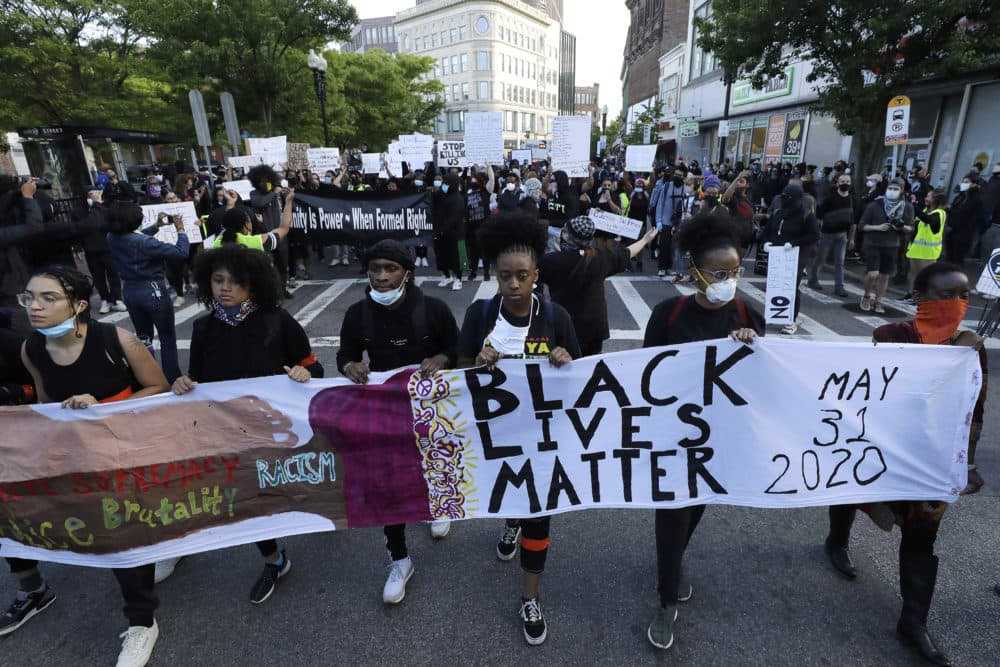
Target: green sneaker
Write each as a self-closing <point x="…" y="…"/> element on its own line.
<point x="661" y="629"/>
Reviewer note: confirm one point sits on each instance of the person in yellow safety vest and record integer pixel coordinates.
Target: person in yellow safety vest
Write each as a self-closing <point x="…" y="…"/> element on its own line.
<point x="237" y="228"/>
<point x="925" y="249"/>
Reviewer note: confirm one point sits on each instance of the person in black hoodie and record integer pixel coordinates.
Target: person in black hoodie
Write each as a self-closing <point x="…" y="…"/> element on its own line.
<point x="477" y="210"/>
<point x="397" y="326"/>
<point x="247" y="335"/>
<point x="266" y="199"/>
<point x="95" y="245"/>
<point x="448" y="220"/>
<point x="792" y="223"/>
<point x="837" y="215"/>
<point x="966" y="220"/>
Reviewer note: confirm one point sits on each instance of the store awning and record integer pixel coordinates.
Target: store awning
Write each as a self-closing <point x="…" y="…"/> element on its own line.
<point x="62" y="132"/>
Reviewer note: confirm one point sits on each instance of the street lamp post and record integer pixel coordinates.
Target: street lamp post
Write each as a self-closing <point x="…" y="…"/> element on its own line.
<point x="604" y="119"/>
<point x="318" y="65"/>
<point x="728" y="78"/>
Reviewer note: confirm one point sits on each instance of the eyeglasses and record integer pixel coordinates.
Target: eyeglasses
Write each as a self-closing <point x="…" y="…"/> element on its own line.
<point x="46" y="299"/>
<point x="722" y="274"/>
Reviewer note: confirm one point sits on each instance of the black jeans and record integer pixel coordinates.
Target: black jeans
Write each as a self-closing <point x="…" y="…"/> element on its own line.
<point x="395" y="541"/>
<point x="674" y="528"/>
<point x="106" y="279"/>
<point x="136" y="584"/>
<point x="665" y="262"/>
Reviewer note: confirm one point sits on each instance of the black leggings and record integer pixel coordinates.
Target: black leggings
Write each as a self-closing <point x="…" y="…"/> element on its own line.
<point x="534" y="544"/>
<point x="395" y="541"/>
<point x="674" y="528"/>
<point x="136" y="584"/>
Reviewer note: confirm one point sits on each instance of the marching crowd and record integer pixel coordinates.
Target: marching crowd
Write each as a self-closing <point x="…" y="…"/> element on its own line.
<point x="528" y="226"/>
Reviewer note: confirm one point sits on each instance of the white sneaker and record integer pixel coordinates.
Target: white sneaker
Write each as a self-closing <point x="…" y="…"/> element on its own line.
<point x="440" y="529"/>
<point x="661" y="273"/>
<point x="400" y="572"/>
<point x="790" y="329"/>
<point x="480" y="264"/>
<point x="445" y="282"/>
<point x="333" y="262"/>
<point x="457" y="285"/>
<point x="137" y="646"/>
<point x="165" y="568"/>
<point x="424" y="260"/>
<point x="119" y="307"/>
<point x="345" y="261"/>
<point x="105" y="308"/>
<point x="178" y="301"/>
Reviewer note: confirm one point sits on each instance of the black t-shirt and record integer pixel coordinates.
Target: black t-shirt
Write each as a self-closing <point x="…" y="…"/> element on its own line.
<point x="694" y="323"/>
<point x="395" y="341"/>
<point x="94" y="372"/>
<point x="544" y="334"/>
<point x="262" y="345"/>
<point x="577" y="285"/>
<point x="836" y="213"/>
<point x="565" y="207"/>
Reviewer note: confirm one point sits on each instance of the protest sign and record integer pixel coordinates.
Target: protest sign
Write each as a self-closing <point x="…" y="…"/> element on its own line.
<point x="989" y="280"/>
<point x="246" y="161"/>
<point x="136" y="481"/>
<point x="394" y="160"/>
<point x="416" y="150"/>
<point x="640" y="158"/>
<point x="371" y="163"/>
<point x="484" y="137"/>
<point x="570" y="150"/>
<point x="322" y="160"/>
<point x="452" y="154"/>
<point x="782" y="277"/>
<point x="522" y="156"/>
<point x="167" y="234"/>
<point x="272" y="149"/>
<point x="336" y="216"/>
<point x="243" y="188"/>
<point x="618" y="225"/>
<point x="298" y="156"/>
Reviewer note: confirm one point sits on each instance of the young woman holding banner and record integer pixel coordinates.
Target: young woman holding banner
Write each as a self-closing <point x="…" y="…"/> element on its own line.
<point x="711" y="243"/>
<point x="82" y="363"/>
<point x="500" y="328"/>
<point x="942" y="293"/>
<point x="247" y="335"/>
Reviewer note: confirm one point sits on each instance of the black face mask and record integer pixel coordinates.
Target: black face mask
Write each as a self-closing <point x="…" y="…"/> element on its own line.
<point x="678" y="182"/>
<point x="844" y="187"/>
<point x="711" y="200"/>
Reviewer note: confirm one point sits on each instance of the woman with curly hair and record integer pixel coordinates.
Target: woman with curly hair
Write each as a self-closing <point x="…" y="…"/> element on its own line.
<point x="518" y="324"/>
<point x="247" y="335"/>
<point x="711" y="243"/>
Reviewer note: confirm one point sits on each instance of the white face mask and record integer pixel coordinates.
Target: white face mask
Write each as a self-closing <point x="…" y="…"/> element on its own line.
<point x="437" y="184"/>
<point x="721" y="292"/>
<point x="387" y="298"/>
<point x="964" y="186"/>
<point x="870" y="184"/>
<point x="892" y="195"/>
<point x="510" y="187"/>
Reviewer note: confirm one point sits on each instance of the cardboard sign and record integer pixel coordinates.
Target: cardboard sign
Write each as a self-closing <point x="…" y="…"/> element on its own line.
<point x="322" y="160"/>
<point x="167" y="234"/>
<point x="640" y="158"/>
<point x="619" y="225"/>
<point x="452" y="154"/>
<point x="484" y="137"/>
<point x="782" y="277"/>
<point x="570" y="149"/>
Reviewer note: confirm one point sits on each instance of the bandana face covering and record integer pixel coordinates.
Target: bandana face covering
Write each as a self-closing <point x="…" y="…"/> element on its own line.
<point x="233" y="316"/>
<point x="937" y="321"/>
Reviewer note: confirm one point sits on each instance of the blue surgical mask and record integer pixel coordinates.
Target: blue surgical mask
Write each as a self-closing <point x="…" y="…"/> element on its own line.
<point x="444" y="188"/>
<point x="60" y="329"/>
<point x="387" y="298"/>
<point x="328" y="180"/>
<point x="417" y="182"/>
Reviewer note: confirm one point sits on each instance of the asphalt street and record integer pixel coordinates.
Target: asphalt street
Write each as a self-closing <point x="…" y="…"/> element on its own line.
<point x="764" y="593"/>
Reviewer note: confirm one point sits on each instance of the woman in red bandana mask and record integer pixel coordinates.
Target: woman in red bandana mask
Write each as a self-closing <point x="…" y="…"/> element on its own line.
<point x="942" y="293"/>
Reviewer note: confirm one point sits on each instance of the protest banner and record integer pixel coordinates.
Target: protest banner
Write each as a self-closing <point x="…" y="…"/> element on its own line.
<point x="782" y="277"/>
<point x="640" y="158"/>
<point x="522" y="156"/>
<point x="452" y="154"/>
<point x="298" y="156"/>
<point x="242" y="187"/>
<point x="776" y="424"/>
<point x="274" y="150"/>
<point x="618" y="225"/>
<point x="338" y="216"/>
<point x="570" y="148"/>
<point x="322" y="160"/>
<point x="167" y="233"/>
<point x="484" y="137"/>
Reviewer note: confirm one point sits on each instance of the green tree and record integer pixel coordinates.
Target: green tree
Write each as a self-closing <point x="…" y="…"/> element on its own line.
<point x="862" y="53"/>
<point x="650" y="115"/>
<point x="80" y="62"/>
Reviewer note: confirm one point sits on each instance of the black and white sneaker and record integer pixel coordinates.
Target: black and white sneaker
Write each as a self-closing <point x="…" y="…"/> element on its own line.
<point x="507" y="544"/>
<point x="262" y="590"/>
<point x="25" y="606"/>
<point x="535" y="630"/>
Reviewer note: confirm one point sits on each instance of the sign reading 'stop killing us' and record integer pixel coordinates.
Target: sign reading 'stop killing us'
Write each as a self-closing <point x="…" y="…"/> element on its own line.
<point x="364" y="217"/>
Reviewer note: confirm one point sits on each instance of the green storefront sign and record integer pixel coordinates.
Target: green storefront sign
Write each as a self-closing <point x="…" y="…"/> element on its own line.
<point x="779" y="86"/>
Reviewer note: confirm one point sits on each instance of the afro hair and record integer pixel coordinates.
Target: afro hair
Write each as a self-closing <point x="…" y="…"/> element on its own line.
<point x="512" y="232"/>
<point x="706" y="232"/>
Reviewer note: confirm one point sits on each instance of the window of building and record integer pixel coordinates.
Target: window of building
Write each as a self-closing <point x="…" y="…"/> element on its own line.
<point x="465" y="90"/>
<point x="668" y="93"/>
<point x="456" y="121"/>
<point x="454" y="92"/>
<point x="444" y="66"/>
<point x="701" y="63"/>
<point x="461" y="33"/>
<point x="453" y="35"/>
<point x="532" y="97"/>
<point x="454" y="64"/>
<point x="483" y="61"/>
<point x="434" y="39"/>
<point x="444" y="37"/>
<point x="465" y="62"/>
<point x="484" y="91"/>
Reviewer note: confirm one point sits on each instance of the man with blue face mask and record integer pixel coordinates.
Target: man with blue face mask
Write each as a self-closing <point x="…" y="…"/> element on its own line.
<point x="398" y="326"/>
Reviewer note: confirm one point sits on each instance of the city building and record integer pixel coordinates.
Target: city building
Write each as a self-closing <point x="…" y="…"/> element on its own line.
<point x="554" y="8"/>
<point x="656" y="27"/>
<point x="376" y="33"/>
<point x="586" y="103"/>
<point x="493" y="55"/>
<point x="567" y="73"/>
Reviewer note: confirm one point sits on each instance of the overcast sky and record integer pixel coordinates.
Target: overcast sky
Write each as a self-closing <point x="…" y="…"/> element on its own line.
<point x="600" y="28"/>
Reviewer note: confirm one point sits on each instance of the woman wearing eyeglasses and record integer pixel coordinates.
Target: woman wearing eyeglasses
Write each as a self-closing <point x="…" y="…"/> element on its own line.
<point x="711" y="242"/>
<point x="80" y="363"/>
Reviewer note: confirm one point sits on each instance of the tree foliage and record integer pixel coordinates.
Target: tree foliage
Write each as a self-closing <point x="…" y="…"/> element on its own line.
<point x="862" y="53"/>
<point x="650" y="115"/>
